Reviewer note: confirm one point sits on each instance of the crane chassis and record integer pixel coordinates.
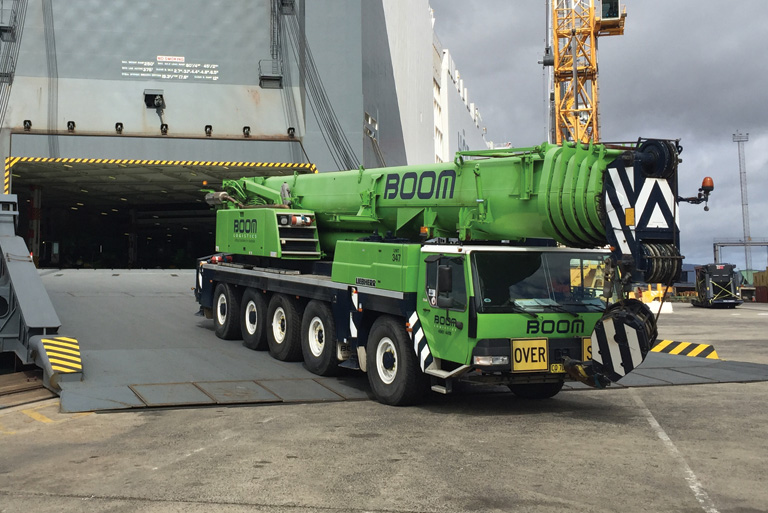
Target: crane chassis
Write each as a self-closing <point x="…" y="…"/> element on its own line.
<point x="507" y="267"/>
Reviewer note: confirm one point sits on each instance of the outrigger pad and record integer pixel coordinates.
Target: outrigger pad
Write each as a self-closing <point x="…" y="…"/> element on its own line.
<point x="622" y="339"/>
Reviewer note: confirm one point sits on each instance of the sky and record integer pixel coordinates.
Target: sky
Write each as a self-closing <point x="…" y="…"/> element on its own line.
<point x="687" y="69"/>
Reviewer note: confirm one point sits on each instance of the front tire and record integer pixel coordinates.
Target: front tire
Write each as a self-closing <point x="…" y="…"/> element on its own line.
<point x="284" y="331"/>
<point x="226" y="309"/>
<point x="318" y="339"/>
<point x="253" y="320"/>
<point x="393" y="370"/>
<point x="536" y="390"/>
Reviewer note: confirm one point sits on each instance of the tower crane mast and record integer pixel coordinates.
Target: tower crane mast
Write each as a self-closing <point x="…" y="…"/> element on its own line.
<point x="572" y="55"/>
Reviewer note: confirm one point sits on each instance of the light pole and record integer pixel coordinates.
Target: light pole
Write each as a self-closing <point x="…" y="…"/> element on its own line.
<point x="740" y="139"/>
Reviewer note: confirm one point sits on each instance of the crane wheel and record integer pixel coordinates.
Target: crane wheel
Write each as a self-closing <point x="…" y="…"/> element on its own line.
<point x="393" y="369"/>
<point x="226" y="310"/>
<point x="253" y="320"/>
<point x="536" y="390"/>
<point x="284" y="333"/>
<point x="318" y="339"/>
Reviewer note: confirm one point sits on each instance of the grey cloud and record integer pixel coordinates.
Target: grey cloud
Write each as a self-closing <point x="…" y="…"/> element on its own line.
<point x="690" y="69"/>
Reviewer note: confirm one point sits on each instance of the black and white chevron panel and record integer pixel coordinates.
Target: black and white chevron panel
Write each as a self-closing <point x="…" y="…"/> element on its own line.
<point x="420" y="345"/>
<point x="642" y="220"/>
<point x="354" y="315"/>
<point x="620" y="342"/>
<point x="615" y="358"/>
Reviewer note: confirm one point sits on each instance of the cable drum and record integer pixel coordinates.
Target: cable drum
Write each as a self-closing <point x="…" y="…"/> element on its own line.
<point x="663" y="263"/>
<point x="658" y="158"/>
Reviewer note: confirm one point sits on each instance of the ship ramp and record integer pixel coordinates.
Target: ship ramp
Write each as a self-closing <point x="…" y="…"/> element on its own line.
<point x="29" y="326"/>
<point x="142" y="346"/>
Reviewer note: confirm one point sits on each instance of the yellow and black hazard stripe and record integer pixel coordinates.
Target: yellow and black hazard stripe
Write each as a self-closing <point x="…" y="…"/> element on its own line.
<point x="64" y="354"/>
<point x="12" y="161"/>
<point x="686" y="349"/>
<point x="9" y="163"/>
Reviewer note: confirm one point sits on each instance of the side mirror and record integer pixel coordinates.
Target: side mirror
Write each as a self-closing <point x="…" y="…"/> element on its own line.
<point x="444" y="286"/>
<point x="444" y="279"/>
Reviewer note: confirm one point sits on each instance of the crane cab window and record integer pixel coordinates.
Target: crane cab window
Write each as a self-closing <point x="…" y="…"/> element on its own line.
<point x="446" y="285"/>
<point x="504" y="282"/>
<point x="611" y="9"/>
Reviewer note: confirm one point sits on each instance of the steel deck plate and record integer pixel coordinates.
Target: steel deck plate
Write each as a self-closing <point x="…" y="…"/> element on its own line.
<point x="726" y="373"/>
<point x="139" y="338"/>
<point x="171" y="394"/>
<point x="667" y="376"/>
<point x="300" y="390"/>
<point x="664" y="360"/>
<point x="88" y="396"/>
<point x="237" y="392"/>
<point x="348" y="387"/>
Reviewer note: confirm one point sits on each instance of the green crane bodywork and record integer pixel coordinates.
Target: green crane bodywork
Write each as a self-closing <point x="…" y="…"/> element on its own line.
<point x="546" y="191"/>
<point x="455" y="264"/>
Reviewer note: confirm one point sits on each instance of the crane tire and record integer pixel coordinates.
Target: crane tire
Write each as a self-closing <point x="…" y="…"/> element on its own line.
<point x="226" y="310"/>
<point x="253" y="320"/>
<point x="318" y="339"/>
<point x="536" y="390"/>
<point x="393" y="369"/>
<point x="284" y="330"/>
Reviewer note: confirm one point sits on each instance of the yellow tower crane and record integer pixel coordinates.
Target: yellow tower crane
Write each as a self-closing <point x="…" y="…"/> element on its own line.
<point x="573" y="57"/>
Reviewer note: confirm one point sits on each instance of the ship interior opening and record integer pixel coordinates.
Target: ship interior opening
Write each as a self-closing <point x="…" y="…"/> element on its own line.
<point x="119" y="213"/>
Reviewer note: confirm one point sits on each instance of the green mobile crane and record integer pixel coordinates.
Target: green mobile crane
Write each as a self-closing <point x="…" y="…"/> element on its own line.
<point x="474" y="270"/>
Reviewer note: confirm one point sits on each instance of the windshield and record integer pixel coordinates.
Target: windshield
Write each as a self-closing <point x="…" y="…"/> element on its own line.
<point x="538" y="281"/>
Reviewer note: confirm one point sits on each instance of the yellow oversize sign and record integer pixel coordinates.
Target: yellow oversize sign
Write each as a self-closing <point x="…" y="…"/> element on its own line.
<point x="530" y="355"/>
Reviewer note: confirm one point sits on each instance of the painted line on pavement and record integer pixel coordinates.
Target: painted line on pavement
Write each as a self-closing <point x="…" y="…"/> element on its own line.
<point x="693" y="482"/>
